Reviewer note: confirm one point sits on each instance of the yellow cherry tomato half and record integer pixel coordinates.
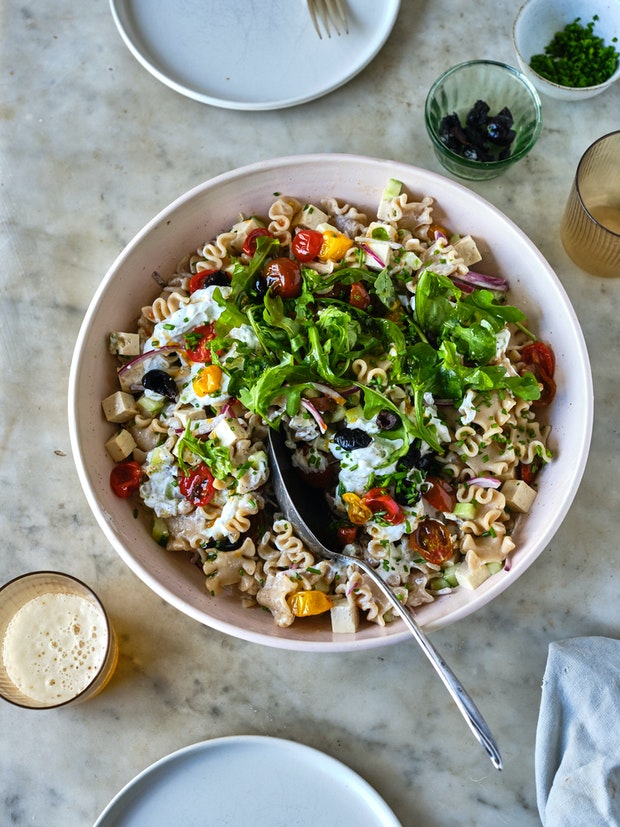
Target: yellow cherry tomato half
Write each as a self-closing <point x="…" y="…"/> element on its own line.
<point x="207" y="380"/>
<point x="357" y="511"/>
<point x="308" y="603"/>
<point x="334" y="246"/>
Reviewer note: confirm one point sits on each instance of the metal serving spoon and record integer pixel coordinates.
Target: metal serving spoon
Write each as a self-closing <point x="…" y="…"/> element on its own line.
<point x="305" y="508"/>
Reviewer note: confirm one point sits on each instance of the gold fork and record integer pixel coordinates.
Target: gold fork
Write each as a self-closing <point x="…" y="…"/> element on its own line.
<point x="326" y="12"/>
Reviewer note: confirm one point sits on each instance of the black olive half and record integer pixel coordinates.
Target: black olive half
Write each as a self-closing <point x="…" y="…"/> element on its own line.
<point x="160" y="382"/>
<point x="350" y="439"/>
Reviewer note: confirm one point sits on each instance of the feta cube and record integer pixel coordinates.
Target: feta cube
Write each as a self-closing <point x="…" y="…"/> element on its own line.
<point x="120" y="446"/>
<point x="119" y="407"/>
<point x="519" y="495"/>
<point x="124" y="344"/>
<point x="345" y="617"/>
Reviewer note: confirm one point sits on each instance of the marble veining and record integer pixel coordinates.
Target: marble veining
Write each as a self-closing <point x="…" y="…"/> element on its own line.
<point x="91" y="147"/>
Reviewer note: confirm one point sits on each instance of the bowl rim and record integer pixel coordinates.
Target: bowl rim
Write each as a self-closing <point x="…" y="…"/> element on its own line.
<point x="485" y="165"/>
<point x="381" y="637"/>
<point x="551" y="84"/>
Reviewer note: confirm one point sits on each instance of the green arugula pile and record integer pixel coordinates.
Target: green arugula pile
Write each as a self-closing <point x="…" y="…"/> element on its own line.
<point x="443" y="347"/>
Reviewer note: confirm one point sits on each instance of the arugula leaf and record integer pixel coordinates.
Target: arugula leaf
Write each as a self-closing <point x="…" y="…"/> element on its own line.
<point x="216" y="456"/>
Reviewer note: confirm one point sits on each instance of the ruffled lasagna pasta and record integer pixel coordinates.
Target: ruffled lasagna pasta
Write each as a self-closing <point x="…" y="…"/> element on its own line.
<point x="408" y="387"/>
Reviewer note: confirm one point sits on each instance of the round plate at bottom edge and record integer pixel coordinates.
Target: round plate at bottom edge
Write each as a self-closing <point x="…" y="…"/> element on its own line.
<point x="247" y="780"/>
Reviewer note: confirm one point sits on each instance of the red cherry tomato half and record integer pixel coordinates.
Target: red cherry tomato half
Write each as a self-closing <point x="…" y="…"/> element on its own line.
<point x="440" y="494"/>
<point x="538" y="353"/>
<point x="346" y="534"/>
<point x="198" y="339"/>
<point x="433" y="542"/>
<point x="306" y="244"/>
<point x="197" y="281"/>
<point x="249" y="245"/>
<point x="283" y="277"/>
<point x="359" y="297"/>
<point x="381" y="504"/>
<point x="539" y="359"/>
<point x="125" y="478"/>
<point x="197" y="486"/>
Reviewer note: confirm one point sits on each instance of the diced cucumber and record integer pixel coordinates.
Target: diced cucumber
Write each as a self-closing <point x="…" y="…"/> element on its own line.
<point x="151" y="403"/>
<point x="495" y="566"/>
<point x="159" y="531"/>
<point x="466" y="511"/>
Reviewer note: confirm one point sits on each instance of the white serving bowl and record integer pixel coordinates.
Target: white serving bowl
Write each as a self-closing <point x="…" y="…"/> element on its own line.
<point x="538" y="21"/>
<point x="200" y="214"/>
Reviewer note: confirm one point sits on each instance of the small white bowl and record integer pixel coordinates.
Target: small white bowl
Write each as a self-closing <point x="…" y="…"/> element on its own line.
<point x="539" y="20"/>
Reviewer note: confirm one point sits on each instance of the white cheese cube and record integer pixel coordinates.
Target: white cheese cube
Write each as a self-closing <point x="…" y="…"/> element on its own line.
<point x="190" y="415"/>
<point x="345" y="617"/>
<point x="228" y="431"/>
<point x="120" y="446"/>
<point x="124" y="344"/>
<point x="467" y="250"/>
<point x="119" y="407"/>
<point x="471" y="572"/>
<point x="519" y="495"/>
<point x="311" y="217"/>
<point x="242" y="229"/>
<point x="377" y="254"/>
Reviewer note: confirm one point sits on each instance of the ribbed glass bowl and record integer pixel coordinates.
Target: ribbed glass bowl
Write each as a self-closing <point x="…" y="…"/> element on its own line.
<point x="499" y="85"/>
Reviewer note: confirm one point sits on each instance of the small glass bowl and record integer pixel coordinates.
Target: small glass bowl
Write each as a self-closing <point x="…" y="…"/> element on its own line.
<point x="499" y="85"/>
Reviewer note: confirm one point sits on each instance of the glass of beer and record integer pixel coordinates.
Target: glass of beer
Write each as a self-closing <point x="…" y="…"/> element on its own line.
<point x="57" y="645"/>
<point x="590" y="227"/>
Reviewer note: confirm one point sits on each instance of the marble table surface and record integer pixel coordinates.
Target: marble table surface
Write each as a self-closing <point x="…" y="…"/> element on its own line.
<point x="91" y="146"/>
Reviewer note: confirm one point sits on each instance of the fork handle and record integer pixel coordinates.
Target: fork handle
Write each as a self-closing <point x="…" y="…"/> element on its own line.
<point x="460" y="696"/>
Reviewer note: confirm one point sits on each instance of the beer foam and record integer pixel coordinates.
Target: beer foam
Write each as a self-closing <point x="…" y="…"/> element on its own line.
<point x="54" y="646"/>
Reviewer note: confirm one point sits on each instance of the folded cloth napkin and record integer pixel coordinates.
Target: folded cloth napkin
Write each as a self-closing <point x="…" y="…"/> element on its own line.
<point x="577" y="755"/>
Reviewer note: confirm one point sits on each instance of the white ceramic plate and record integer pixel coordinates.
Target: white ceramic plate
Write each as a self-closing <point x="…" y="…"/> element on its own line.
<point x="241" y="55"/>
<point x="247" y="780"/>
<point x="198" y="216"/>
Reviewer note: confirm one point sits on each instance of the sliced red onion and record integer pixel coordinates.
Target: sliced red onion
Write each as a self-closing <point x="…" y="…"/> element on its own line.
<point x="372" y="254"/>
<point x="315" y="414"/>
<point x="485" y="482"/>
<point x="331" y="392"/>
<point x="438" y="234"/>
<point x="482" y="280"/>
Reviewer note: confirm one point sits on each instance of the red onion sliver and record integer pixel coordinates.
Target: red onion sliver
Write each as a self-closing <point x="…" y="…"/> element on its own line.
<point x="372" y="254"/>
<point x="315" y="414"/>
<point x="485" y="482"/>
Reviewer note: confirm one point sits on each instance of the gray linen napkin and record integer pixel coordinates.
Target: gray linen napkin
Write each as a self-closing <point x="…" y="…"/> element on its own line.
<point x="577" y="754"/>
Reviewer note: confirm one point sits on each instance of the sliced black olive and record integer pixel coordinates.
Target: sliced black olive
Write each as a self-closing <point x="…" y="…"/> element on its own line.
<point x="350" y="439"/>
<point x="219" y="277"/>
<point x="160" y="382"/>
<point x="386" y="420"/>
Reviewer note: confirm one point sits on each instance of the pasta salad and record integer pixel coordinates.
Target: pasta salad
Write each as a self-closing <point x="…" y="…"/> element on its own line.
<point x="408" y="387"/>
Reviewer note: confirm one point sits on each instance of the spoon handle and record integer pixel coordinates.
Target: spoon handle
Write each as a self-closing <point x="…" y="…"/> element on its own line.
<point x="460" y="696"/>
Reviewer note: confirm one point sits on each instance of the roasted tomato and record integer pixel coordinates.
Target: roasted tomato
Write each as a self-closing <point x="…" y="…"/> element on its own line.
<point x="433" y="542"/>
<point x="359" y="297"/>
<point x="439" y="494"/>
<point x="346" y="534"/>
<point x="197" y="342"/>
<point x="384" y="506"/>
<point x="306" y="244"/>
<point x="539" y="359"/>
<point x="283" y="277"/>
<point x="197" y="486"/>
<point x="249" y="245"/>
<point x="125" y="478"/>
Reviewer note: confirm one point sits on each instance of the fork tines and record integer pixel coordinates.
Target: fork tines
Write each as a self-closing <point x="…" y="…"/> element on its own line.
<point x="328" y="12"/>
